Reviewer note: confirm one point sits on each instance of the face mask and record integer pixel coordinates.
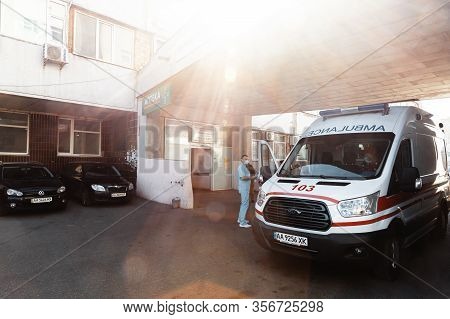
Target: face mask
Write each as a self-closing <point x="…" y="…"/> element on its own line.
<point x="246" y="162"/>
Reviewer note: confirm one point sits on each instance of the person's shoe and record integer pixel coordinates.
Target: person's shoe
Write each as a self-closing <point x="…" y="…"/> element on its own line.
<point x="245" y="221"/>
<point x="245" y="225"/>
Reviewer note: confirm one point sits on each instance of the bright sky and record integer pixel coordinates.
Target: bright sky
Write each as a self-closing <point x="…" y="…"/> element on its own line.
<point x="170" y="15"/>
<point x="440" y="108"/>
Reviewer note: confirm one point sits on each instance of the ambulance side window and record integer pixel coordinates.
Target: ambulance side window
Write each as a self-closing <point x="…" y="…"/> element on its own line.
<point x="268" y="166"/>
<point x="403" y="159"/>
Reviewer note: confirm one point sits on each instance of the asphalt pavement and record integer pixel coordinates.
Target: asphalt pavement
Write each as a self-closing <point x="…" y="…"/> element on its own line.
<point x="150" y="250"/>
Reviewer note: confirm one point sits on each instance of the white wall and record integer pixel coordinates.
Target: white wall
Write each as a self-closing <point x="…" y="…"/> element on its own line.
<point x="81" y="80"/>
<point x="156" y="181"/>
<point x="187" y="46"/>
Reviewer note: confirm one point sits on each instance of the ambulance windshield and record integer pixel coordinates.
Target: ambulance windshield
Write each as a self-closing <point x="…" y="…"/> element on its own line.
<point x="340" y="156"/>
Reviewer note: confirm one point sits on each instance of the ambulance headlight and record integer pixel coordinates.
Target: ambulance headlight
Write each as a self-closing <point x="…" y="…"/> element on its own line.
<point x="361" y="206"/>
<point x="261" y="198"/>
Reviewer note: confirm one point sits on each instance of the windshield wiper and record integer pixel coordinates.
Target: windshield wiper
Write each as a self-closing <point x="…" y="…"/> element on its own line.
<point x="326" y="176"/>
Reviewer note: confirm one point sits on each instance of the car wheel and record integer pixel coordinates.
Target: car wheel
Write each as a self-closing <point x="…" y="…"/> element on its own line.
<point x="85" y="198"/>
<point x="388" y="265"/>
<point x="440" y="231"/>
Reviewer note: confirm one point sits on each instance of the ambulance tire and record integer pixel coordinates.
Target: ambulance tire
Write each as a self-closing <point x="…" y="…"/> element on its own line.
<point x="389" y="257"/>
<point x="440" y="232"/>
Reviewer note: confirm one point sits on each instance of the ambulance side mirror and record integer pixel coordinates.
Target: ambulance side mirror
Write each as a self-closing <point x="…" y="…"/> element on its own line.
<point x="410" y="180"/>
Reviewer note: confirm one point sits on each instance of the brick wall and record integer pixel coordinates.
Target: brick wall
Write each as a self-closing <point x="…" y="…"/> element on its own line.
<point x="118" y="136"/>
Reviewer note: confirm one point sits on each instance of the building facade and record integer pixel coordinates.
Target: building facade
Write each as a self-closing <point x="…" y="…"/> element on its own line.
<point x="68" y="77"/>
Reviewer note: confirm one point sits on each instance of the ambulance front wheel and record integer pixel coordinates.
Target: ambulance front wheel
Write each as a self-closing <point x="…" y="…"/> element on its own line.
<point x="388" y="265"/>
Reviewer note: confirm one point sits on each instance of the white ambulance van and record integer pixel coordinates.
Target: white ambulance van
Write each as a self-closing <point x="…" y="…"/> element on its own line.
<point x="361" y="183"/>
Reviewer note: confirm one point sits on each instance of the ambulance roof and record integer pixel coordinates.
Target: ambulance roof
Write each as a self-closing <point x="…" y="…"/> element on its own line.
<point x="372" y="119"/>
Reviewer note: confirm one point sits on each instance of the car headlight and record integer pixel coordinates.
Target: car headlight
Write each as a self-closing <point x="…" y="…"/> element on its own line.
<point x="13" y="192"/>
<point x="98" y="188"/>
<point x="130" y="187"/>
<point x="62" y="189"/>
<point x="261" y="198"/>
<point x="361" y="206"/>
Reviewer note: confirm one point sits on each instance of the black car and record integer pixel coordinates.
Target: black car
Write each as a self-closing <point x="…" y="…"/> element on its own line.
<point x="29" y="185"/>
<point x="127" y="171"/>
<point x="96" y="182"/>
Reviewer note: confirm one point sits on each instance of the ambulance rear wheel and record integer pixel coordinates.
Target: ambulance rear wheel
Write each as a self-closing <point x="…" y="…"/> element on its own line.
<point x="388" y="265"/>
<point x="440" y="232"/>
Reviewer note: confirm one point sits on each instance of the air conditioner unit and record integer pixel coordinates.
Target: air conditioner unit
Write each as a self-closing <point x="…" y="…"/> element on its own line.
<point x="55" y="54"/>
<point x="270" y="136"/>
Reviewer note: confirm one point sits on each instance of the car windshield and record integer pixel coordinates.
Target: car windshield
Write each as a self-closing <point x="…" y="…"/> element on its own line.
<point x="26" y="173"/>
<point x="341" y="156"/>
<point x="101" y="170"/>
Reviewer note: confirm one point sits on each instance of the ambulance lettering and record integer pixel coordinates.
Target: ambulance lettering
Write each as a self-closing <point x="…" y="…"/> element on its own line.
<point x="347" y="128"/>
<point x="303" y="188"/>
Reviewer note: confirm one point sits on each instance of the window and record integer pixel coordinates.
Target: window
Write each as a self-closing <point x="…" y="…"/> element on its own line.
<point x="268" y="165"/>
<point x="442" y="156"/>
<point x="56" y="21"/>
<point x="24" y="19"/>
<point x="79" y="137"/>
<point x="340" y="156"/>
<point x="403" y="160"/>
<point x="280" y="150"/>
<point x="123" y="46"/>
<point x="13" y="133"/>
<point x="254" y="151"/>
<point x="426" y="155"/>
<point x="85" y="35"/>
<point x="31" y="20"/>
<point x="102" y="40"/>
<point x="100" y="170"/>
<point x="26" y="173"/>
<point x="105" y="42"/>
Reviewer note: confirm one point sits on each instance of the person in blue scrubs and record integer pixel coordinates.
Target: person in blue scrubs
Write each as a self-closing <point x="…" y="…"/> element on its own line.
<point x="244" y="181"/>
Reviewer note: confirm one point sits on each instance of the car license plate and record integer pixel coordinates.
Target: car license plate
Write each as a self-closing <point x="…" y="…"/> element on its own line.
<point x="118" y="194"/>
<point x="290" y="239"/>
<point x="41" y="200"/>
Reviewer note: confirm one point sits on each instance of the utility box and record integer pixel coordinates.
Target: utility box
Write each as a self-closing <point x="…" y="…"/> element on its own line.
<point x="176" y="202"/>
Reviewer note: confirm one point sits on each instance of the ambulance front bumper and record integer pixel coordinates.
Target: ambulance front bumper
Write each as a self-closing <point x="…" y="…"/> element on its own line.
<point x="361" y="246"/>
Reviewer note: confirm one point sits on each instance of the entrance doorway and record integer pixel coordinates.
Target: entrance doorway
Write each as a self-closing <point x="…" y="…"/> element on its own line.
<point x="223" y="171"/>
<point x="211" y="168"/>
<point x="201" y="168"/>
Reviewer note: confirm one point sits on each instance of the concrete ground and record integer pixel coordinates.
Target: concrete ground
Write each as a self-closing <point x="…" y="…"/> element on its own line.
<point x="149" y="250"/>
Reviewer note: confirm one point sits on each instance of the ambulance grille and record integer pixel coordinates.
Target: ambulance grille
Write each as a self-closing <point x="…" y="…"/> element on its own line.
<point x="298" y="213"/>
